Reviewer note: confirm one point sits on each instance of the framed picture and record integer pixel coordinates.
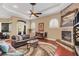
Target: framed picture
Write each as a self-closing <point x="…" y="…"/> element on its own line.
<point x="67" y="19"/>
<point x="41" y="27"/>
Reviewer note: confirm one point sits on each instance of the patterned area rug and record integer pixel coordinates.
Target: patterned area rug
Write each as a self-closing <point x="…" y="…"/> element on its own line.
<point x="43" y="49"/>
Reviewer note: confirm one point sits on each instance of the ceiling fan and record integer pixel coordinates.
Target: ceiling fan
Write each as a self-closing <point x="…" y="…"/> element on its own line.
<point x="32" y="11"/>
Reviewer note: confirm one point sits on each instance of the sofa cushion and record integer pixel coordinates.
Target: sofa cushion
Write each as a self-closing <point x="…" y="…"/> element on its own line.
<point x="13" y="37"/>
<point x="18" y="38"/>
<point x="25" y="37"/>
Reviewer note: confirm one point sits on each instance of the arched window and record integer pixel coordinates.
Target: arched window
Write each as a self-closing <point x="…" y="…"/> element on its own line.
<point x="21" y="27"/>
<point x="53" y="23"/>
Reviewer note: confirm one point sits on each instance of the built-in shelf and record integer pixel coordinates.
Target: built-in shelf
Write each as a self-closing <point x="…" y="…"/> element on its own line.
<point x="76" y="32"/>
<point x="77" y="50"/>
<point x="76" y="24"/>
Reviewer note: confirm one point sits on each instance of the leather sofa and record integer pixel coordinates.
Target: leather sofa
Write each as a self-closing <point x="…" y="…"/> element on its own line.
<point x="19" y="40"/>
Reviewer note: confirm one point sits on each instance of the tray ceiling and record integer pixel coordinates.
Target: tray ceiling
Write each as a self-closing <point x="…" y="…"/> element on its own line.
<point x="22" y="9"/>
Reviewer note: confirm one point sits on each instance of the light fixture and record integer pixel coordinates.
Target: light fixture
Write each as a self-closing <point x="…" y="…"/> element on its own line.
<point x="54" y="23"/>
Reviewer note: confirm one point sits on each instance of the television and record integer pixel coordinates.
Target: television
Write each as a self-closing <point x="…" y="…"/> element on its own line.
<point x="67" y="36"/>
<point x="5" y="27"/>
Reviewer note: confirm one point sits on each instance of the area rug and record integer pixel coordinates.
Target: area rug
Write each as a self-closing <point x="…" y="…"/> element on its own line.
<point x="43" y="49"/>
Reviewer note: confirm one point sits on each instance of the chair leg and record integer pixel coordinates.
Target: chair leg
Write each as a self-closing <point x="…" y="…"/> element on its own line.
<point x="28" y="46"/>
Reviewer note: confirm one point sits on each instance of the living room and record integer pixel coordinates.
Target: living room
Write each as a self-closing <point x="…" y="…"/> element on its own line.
<point x="39" y="29"/>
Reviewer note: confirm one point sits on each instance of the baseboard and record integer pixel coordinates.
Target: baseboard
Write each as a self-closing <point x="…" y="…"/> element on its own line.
<point x="51" y="39"/>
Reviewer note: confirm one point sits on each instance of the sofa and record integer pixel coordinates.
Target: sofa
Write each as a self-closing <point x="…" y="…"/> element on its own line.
<point x="19" y="40"/>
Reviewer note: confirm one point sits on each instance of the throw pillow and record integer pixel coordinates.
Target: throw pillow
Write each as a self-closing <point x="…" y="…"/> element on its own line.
<point x="4" y="47"/>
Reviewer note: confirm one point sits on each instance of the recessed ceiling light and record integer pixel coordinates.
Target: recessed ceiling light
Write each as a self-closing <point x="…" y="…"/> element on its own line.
<point x="15" y="6"/>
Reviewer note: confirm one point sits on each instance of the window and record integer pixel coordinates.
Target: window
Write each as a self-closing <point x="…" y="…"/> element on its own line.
<point x="0" y="27"/>
<point x="53" y="23"/>
<point x="33" y="27"/>
<point x="21" y="27"/>
<point x="27" y="27"/>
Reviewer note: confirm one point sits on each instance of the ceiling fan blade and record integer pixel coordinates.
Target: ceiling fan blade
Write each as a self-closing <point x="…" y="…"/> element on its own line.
<point x="37" y="16"/>
<point x="31" y="11"/>
<point x="33" y="14"/>
<point x="38" y="13"/>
